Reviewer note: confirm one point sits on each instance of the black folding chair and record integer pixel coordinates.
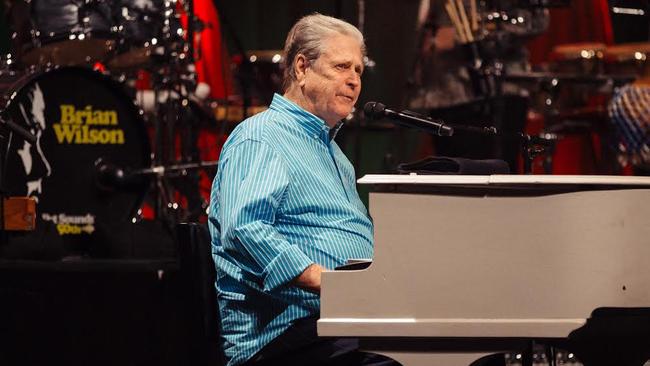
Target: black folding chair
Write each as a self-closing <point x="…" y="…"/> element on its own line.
<point x="198" y="276"/>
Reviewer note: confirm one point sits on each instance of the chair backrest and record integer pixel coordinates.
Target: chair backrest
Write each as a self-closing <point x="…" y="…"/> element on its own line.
<point x="198" y="276"/>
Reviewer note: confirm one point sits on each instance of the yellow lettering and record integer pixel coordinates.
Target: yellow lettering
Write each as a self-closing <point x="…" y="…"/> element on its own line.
<point x="111" y="117"/>
<point x="64" y="133"/>
<point x="118" y="137"/>
<point x="82" y="116"/>
<point x="98" y="118"/>
<point x="77" y="127"/>
<point x="93" y="136"/>
<point x="67" y="114"/>
<point x="84" y="138"/>
<point x="78" y="136"/>
<point x="104" y="136"/>
<point x="88" y="116"/>
<point x="65" y="229"/>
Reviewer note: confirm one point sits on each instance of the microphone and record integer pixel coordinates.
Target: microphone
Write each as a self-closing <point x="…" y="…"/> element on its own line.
<point x="375" y="110"/>
<point x="111" y="178"/>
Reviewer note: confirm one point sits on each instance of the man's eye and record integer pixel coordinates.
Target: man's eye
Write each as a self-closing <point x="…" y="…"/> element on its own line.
<point x="341" y="66"/>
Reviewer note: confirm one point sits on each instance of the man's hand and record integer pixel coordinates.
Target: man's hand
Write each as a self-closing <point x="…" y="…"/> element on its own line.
<point x="309" y="279"/>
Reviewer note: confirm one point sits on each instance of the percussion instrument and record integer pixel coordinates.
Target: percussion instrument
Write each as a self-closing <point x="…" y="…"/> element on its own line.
<point x="144" y="27"/>
<point x="628" y="58"/>
<point x="61" y="32"/>
<point x="584" y="58"/>
<point x="81" y="118"/>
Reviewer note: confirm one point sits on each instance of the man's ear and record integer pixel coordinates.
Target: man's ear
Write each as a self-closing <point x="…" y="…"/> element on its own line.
<point x="300" y="65"/>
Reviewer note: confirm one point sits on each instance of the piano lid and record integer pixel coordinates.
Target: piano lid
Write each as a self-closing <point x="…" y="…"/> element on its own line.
<point x="599" y="180"/>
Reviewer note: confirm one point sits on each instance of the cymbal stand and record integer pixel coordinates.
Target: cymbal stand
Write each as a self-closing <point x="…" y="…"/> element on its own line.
<point x="174" y="77"/>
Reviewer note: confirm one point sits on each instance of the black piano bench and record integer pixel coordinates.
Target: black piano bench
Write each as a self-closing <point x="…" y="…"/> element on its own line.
<point x="613" y="337"/>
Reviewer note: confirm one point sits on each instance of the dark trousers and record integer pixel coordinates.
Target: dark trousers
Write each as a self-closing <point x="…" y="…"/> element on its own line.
<point x="300" y="345"/>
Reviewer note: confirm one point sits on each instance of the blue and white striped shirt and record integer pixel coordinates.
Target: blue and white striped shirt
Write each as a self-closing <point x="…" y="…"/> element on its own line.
<point x="284" y="197"/>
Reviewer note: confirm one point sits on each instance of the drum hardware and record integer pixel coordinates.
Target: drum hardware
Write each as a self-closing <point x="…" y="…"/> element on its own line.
<point x="146" y="99"/>
<point x="15" y="128"/>
<point x="574" y="106"/>
<point x="580" y="99"/>
<point x="93" y="119"/>
<point x="628" y="58"/>
<point x="491" y="33"/>
<point x="63" y="32"/>
<point x="173" y="108"/>
<point x="581" y="58"/>
<point x="73" y="126"/>
<point x="111" y="177"/>
<point x="149" y="32"/>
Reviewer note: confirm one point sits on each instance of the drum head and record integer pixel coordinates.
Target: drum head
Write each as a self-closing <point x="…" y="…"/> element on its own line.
<point x="79" y="117"/>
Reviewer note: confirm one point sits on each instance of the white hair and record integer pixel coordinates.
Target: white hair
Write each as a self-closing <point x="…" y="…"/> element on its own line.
<point x="307" y="36"/>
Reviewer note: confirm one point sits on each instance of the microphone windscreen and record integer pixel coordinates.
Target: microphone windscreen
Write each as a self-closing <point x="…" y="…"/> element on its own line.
<point x="374" y="109"/>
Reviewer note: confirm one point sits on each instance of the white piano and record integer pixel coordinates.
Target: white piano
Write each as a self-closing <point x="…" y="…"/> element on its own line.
<point x="460" y="260"/>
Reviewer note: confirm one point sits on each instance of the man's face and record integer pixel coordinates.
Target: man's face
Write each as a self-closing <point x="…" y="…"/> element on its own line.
<point x="332" y="83"/>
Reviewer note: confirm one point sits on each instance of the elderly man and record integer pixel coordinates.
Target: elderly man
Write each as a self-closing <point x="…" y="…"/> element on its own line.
<point x="284" y="206"/>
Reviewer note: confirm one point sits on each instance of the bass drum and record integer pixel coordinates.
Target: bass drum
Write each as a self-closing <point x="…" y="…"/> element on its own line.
<point x="83" y="121"/>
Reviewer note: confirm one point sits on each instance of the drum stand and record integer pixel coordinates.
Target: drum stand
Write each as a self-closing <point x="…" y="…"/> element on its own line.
<point x="173" y="78"/>
<point x="487" y="79"/>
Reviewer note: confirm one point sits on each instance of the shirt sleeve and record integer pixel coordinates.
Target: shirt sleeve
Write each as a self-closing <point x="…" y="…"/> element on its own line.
<point x="254" y="181"/>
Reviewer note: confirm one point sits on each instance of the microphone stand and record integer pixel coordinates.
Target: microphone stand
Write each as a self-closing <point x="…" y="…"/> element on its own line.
<point x="532" y="146"/>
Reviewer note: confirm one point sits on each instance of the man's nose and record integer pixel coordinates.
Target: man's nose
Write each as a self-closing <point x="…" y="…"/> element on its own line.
<point x="354" y="80"/>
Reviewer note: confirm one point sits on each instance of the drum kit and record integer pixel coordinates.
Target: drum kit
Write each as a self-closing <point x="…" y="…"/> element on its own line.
<point x="601" y="89"/>
<point x="588" y="89"/>
<point x="69" y="81"/>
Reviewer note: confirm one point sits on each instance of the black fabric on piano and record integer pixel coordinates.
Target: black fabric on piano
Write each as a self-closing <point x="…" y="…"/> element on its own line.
<point x="453" y="165"/>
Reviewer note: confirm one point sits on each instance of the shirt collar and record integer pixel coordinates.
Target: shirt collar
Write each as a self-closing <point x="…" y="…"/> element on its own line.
<point x="313" y="125"/>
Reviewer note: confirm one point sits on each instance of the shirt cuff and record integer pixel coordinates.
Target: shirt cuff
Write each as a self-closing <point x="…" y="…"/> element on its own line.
<point x="286" y="266"/>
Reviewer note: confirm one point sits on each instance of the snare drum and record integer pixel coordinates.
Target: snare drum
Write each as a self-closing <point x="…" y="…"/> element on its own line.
<point x="61" y="32"/>
<point x="79" y="117"/>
